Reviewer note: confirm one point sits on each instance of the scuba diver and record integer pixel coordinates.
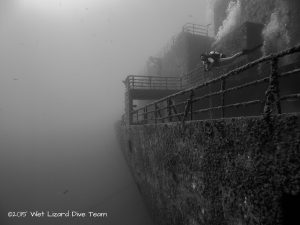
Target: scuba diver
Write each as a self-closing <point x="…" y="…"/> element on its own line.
<point x="217" y="59"/>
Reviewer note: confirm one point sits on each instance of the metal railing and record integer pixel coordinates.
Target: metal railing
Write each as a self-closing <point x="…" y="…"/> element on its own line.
<point x="195" y="76"/>
<point x="199" y="75"/>
<point x="153" y="82"/>
<point x="181" y="106"/>
<point x="195" y="29"/>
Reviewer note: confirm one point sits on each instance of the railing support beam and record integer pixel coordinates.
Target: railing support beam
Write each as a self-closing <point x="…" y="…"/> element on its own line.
<point x="222" y="97"/>
<point x="272" y="93"/>
<point x="145" y="115"/>
<point x="155" y="113"/>
<point x="191" y="105"/>
<point x="169" y="103"/>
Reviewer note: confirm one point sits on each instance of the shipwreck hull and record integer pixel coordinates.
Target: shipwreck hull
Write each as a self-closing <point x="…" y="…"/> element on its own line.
<point x="226" y="171"/>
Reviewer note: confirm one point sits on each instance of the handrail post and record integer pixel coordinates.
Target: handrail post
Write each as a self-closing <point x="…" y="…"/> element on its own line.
<point x="155" y="113"/>
<point x="222" y="96"/>
<point x="210" y="102"/>
<point x="191" y="104"/>
<point x="272" y="93"/>
<point x="169" y="109"/>
<point x="276" y="84"/>
<point x="128" y="81"/>
<point x="188" y="107"/>
<point x="174" y="108"/>
<point x="133" y="83"/>
<point x="145" y="115"/>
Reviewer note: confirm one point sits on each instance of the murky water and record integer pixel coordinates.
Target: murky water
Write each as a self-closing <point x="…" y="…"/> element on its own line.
<point x="83" y="172"/>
